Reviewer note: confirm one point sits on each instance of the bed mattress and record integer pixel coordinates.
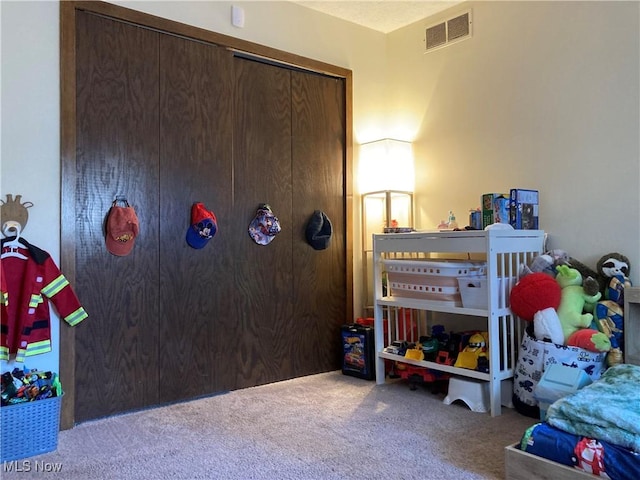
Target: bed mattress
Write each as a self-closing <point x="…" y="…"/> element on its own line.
<point x="597" y="457"/>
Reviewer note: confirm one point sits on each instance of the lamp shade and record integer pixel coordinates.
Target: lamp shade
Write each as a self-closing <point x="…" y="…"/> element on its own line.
<point x="386" y="164"/>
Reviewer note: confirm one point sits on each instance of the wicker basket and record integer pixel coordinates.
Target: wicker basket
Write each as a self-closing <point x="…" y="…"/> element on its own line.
<point x="29" y="428"/>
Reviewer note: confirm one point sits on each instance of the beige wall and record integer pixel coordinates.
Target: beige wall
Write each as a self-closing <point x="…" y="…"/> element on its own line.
<point x="545" y="95"/>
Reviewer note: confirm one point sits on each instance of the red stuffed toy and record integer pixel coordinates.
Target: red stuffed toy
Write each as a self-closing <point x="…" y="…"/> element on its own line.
<point x="534" y="293"/>
<point x="590" y="339"/>
<point x="536" y="298"/>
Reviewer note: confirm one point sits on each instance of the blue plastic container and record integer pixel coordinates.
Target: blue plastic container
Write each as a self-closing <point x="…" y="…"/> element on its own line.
<point x="29" y="428"/>
<point x="558" y="381"/>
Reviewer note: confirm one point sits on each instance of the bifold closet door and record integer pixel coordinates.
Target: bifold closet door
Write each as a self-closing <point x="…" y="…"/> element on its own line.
<point x="318" y="174"/>
<point x="197" y="296"/>
<point x="262" y="277"/>
<point x="167" y="121"/>
<point x="117" y="154"/>
<point x="289" y="144"/>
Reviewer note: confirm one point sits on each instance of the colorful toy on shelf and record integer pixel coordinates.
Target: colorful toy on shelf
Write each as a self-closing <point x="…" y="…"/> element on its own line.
<point x="397" y="347"/>
<point x="415" y="352"/>
<point x="475" y="349"/>
<point x="430" y="347"/>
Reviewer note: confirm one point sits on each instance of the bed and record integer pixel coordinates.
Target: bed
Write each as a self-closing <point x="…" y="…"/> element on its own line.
<point x="594" y="431"/>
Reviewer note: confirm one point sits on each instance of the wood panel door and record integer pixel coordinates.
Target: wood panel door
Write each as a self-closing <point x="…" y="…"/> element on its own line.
<point x="318" y="183"/>
<point x="262" y="174"/>
<point x="117" y="154"/>
<point x="289" y="152"/>
<point x="167" y="121"/>
<point x="196" y="294"/>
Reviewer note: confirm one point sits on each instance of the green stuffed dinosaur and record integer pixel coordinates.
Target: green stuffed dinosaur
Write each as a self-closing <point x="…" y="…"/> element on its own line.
<point x="571" y="312"/>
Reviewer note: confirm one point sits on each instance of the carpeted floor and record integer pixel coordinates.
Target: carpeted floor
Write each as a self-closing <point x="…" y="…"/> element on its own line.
<point x="326" y="426"/>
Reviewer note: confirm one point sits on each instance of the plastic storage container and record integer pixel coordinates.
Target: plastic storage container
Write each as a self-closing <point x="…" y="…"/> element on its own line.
<point x="558" y="381"/>
<point x="29" y="428"/>
<point x="358" y="357"/>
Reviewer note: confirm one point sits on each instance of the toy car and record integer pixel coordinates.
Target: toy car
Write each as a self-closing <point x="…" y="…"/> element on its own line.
<point x="396" y="347"/>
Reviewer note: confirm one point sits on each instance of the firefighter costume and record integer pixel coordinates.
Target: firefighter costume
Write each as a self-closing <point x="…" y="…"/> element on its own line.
<point x="32" y="280"/>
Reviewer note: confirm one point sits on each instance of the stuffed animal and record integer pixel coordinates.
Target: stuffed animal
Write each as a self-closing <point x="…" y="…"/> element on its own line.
<point x="609" y="318"/>
<point x="607" y="267"/>
<point x="547" y="326"/>
<point x="535" y="298"/>
<point x="590" y="339"/>
<point x="571" y="311"/>
<point x="610" y="265"/>
<point x="546" y="263"/>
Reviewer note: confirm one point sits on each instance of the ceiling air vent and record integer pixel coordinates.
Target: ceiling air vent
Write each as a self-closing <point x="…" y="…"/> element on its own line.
<point x="449" y="31"/>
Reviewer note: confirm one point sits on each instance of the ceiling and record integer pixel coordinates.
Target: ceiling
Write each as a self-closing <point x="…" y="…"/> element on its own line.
<point x="384" y="16"/>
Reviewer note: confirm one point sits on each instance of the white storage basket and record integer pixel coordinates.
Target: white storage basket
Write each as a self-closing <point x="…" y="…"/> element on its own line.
<point x="434" y="280"/>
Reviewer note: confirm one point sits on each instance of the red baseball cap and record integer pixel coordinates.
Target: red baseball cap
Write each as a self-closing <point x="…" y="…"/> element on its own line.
<point x="122" y="230"/>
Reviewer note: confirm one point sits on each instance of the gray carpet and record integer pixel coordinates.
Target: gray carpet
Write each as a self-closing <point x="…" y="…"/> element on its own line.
<point x="326" y="426"/>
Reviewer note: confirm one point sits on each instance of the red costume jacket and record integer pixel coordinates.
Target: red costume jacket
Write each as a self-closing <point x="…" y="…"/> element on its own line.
<point x="31" y="283"/>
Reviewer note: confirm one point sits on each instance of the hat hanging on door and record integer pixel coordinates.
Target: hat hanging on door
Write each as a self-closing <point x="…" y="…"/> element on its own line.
<point x="265" y="225"/>
<point x="122" y="228"/>
<point x="319" y="230"/>
<point x="204" y="226"/>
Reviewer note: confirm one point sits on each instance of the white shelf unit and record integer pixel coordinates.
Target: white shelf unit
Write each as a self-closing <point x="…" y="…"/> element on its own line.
<point x="504" y="252"/>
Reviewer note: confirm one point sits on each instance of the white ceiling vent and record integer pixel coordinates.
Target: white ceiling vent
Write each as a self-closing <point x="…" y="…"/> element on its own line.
<point x="449" y="31"/>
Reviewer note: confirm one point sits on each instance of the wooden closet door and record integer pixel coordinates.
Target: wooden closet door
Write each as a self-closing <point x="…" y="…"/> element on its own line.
<point x="117" y="153"/>
<point x="167" y="121"/>
<point x="318" y="183"/>
<point x="196" y="285"/>
<point x="263" y="278"/>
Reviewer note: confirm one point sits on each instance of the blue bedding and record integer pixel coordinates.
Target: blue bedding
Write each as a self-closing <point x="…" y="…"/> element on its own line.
<point x="597" y="457"/>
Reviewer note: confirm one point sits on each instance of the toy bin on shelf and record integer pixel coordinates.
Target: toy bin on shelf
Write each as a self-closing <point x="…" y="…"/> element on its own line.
<point x="473" y="291"/>
<point x="435" y="280"/>
<point x="29" y="428"/>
